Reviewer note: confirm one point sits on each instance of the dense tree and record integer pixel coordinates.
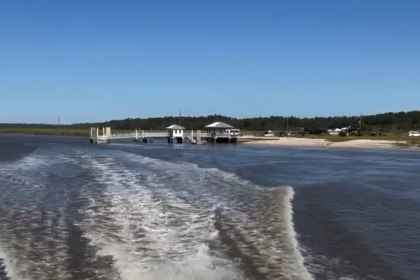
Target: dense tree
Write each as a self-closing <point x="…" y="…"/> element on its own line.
<point x="399" y="121"/>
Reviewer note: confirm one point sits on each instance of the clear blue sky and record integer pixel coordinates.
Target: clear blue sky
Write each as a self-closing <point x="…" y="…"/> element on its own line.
<point x="98" y="60"/>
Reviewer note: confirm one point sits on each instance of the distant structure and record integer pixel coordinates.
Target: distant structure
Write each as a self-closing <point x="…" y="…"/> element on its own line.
<point x="175" y="133"/>
<point x="97" y="138"/>
<point x="269" y="133"/>
<point x="337" y="131"/>
<point x="220" y="132"/>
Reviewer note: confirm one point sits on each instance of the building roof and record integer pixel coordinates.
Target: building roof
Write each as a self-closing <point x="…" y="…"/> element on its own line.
<point x="219" y="125"/>
<point x="175" y="126"/>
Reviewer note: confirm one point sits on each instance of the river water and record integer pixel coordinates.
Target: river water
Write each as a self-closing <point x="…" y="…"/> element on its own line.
<point x="71" y="210"/>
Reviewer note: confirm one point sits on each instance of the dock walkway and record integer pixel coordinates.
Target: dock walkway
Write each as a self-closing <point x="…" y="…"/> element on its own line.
<point x="141" y="136"/>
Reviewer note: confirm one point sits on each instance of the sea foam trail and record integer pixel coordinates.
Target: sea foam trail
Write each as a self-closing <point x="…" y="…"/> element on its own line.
<point x="150" y="235"/>
<point x="261" y="217"/>
<point x="170" y="214"/>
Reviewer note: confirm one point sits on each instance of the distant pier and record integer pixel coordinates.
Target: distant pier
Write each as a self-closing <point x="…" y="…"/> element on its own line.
<point x="217" y="132"/>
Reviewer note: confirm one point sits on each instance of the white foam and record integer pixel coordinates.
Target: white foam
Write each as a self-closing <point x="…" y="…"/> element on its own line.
<point x="8" y="263"/>
<point x="150" y="234"/>
<point x="190" y="188"/>
<point x="231" y="184"/>
<point x="29" y="162"/>
<point x="300" y="260"/>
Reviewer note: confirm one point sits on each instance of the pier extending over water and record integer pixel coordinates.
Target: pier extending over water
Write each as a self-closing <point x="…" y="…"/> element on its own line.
<point x="216" y="133"/>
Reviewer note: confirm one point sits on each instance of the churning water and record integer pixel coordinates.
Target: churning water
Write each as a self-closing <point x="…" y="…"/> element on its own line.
<point x="70" y="210"/>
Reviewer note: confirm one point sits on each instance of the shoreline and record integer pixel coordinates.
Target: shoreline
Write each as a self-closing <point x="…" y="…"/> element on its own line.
<point x="322" y="143"/>
<point x="73" y="134"/>
<point x="281" y="142"/>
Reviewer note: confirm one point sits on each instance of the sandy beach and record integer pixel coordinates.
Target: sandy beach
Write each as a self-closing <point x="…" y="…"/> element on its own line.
<point x="305" y="142"/>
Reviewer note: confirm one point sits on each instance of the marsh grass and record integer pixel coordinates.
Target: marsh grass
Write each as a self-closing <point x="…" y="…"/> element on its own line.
<point x="53" y="131"/>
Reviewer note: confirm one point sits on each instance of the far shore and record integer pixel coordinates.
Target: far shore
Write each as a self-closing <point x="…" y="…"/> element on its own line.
<point x="329" y="142"/>
<point x="356" y="143"/>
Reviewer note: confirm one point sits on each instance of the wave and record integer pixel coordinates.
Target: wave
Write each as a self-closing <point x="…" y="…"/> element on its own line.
<point x="143" y="218"/>
<point x="149" y="236"/>
<point x="34" y="236"/>
<point x="178" y="219"/>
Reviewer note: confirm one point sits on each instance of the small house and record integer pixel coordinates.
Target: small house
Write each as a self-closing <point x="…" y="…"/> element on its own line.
<point x="175" y="133"/>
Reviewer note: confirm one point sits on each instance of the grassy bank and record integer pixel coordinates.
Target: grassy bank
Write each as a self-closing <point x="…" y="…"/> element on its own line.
<point x="85" y="132"/>
<point x="79" y="131"/>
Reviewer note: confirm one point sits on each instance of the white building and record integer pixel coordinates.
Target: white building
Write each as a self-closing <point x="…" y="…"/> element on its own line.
<point x="175" y="133"/>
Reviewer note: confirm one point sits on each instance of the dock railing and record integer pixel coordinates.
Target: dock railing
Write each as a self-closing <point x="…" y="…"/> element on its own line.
<point x="221" y="134"/>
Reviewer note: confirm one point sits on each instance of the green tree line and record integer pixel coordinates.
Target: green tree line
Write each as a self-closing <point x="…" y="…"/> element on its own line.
<point x="399" y="121"/>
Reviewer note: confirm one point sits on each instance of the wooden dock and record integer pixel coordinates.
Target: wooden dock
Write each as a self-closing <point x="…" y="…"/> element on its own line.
<point x="107" y="136"/>
<point x="217" y="132"/>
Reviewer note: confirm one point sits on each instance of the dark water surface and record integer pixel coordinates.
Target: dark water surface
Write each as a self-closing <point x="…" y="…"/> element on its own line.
<point x="71" y="210"/>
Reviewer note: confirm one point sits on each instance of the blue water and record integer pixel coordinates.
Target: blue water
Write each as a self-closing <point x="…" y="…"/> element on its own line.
<point x="71" y="210"/>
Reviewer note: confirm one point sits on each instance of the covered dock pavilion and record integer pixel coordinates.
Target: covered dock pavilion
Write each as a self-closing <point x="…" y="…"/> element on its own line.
<point x="220" y="132"/>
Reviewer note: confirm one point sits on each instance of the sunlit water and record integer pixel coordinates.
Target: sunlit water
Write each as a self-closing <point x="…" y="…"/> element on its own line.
<point x="71" y="210"/>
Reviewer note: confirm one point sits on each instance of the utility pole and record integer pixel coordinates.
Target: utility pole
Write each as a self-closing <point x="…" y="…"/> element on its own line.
<point x="360" y="125"/>
<point x="58" y="121"/>
<point x="180" y="117"/>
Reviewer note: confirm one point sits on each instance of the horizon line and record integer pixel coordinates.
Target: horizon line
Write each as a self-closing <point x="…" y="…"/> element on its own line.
<point x="201" y="116"/>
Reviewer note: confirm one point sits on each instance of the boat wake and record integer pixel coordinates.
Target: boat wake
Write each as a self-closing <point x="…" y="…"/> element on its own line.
<point x="141" y="218"/>
<point x="159" y="218"/>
